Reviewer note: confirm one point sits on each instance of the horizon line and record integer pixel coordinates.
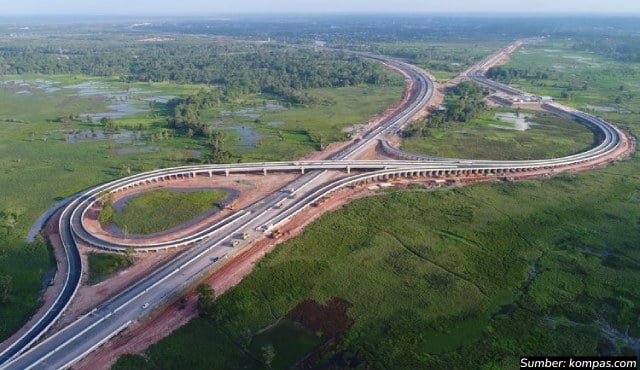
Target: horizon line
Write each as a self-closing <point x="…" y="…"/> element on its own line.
<point x="170" y="14"/>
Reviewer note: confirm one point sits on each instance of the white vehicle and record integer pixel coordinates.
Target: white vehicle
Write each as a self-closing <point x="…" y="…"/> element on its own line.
<point x="145" y="305"/>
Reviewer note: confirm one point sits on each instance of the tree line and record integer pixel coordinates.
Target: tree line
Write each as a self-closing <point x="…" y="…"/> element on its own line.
<point x="239" y="69"/>
<point x="621" y="48"/>
<point x="509" y="74"/>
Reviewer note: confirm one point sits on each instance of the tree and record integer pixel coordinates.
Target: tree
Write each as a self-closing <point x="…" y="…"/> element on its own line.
<point x="130" y="253"/>
<point x="9" y="218"/>
<point x="6" y="285"/>
<point x="125" y="169"/>
<point x="468" y="100"/>
<point x="217" y="143"/>
<point x="268" y="354"/>
<point x="107" y="213"/>
<point x="245" y="338"/>
<point x="108" y="123"/>
<point x="206" y="299"/>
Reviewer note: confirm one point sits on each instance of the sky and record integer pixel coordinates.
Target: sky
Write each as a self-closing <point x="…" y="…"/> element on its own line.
<point x="213" y="7"/>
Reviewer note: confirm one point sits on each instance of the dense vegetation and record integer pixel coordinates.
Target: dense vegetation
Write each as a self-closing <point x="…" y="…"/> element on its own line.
<point x="443" y="60"/>
<point x="238" y="69"/>
<point x="464" y="102"/>
<point x="509" y="74"/>
<point x="185" y="113"/>
<point x="159" y="210"/>
<point x="356" y="30"/>
<point x="623" y="49"/>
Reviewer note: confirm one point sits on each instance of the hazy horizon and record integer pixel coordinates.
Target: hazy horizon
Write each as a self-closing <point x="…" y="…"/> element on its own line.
<point x="283" y="7"/>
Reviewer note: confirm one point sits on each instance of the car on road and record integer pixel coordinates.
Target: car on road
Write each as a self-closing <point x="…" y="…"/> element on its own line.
<point x="145" y="305"/>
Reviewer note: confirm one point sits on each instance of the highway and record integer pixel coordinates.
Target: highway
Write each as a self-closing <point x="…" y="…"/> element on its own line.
<point x="211" y="246"/>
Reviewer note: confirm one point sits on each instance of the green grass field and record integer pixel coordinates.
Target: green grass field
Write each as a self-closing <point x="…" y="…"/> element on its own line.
<point x="486" y="137"/>
<point x="103" y="265"/>
<point x="589" y="79"/>
<point x="162" y="209"/>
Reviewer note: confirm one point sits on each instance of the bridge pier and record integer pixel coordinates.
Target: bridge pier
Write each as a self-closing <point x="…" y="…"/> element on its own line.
<point x="226" y="172"/>
<point x="264" y="171"/>
<point x="348" y="170"/>
<point x="302" y="170"/>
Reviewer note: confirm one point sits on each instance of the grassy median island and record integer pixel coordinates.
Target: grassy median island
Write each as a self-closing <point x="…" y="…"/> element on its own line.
<point x="162" y="209"/>
<point x="462" y="278"/>
<point x="103" y="265"/>
<point x="504" y="134"/>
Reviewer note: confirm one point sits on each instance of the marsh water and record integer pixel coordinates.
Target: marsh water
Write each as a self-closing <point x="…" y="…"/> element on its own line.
<point x="518" y="122"/>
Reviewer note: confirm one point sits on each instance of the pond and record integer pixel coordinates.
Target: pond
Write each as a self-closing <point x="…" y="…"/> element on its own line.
<point x="117" y="110"/>
<point x="518" y="122"/>
<point x="123" y="101"/>
<point x="118" y="137"/>
<point x="248" y="138"/>
<point x="28" y="87"/>
<point x="606" y="109"/>
<point x="135" y="149"/>
<point x="160" y="99"/>
<point x="253" y="112"/>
